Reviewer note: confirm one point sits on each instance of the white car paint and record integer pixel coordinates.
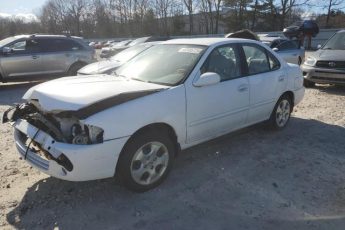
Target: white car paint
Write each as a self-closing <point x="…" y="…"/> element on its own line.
<point x="196" y="114"/>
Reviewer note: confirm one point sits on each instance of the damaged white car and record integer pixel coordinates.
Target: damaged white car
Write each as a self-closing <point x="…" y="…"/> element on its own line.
<point x="170" y="97"/>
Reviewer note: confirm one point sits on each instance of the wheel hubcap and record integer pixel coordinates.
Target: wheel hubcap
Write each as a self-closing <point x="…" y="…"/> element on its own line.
<point x="283" y="113"/>
<point x="149" y="163"/>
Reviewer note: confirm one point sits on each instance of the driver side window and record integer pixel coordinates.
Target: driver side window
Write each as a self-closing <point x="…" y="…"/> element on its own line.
<point x="223" y="61"/>
<point x="24" y="47"/>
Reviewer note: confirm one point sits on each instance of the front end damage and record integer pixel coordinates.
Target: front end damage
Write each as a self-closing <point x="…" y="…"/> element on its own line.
<point x="60" y="144"/>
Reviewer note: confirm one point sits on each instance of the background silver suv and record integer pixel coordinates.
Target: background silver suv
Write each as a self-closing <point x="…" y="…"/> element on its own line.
<point x="34" y="56"/>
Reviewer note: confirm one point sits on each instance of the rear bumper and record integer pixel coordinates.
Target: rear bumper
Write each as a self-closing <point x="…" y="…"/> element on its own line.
<point x="90" y="162"/>
<point x="323" y="75"/>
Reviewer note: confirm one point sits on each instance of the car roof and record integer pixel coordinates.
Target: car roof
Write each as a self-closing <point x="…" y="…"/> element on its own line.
<point x="204" y="41"/>
<point x="45" y="36"/>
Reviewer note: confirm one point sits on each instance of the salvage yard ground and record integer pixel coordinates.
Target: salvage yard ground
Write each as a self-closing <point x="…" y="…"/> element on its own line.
<point x="252" y="179"/>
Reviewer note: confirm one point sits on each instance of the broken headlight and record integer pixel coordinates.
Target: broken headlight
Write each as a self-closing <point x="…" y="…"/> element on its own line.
<point x="86" y="134"/>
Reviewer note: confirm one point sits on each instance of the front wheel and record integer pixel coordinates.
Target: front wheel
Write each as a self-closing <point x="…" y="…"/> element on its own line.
<point x="146" y="161"/>
<point x="281" y="113"/>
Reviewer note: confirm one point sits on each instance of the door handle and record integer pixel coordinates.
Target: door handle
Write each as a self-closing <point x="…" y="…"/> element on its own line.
<point x="35" y="57"/>
<point x="281" y="78"/>
<point x="242" y="88"/>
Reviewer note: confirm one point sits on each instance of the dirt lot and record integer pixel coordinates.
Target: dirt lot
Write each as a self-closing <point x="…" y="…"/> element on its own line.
<point x="252" y="179"/>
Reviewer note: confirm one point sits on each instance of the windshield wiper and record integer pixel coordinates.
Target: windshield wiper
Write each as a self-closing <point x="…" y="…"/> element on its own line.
<point x="119" y="75"/>
<point x="137" y="79"/>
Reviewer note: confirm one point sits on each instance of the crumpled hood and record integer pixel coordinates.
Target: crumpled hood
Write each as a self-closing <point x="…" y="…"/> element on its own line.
<point x="74" y="93"/>
<point x="329" y="55"/>
<point x="99" y="67"/>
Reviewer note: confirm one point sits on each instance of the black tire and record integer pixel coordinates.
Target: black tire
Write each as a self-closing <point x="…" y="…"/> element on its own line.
<point x="308" y="84"/>
<point x="73" y="70"/>
<point x="274" y="118"/>
<point x="126" y="163"/>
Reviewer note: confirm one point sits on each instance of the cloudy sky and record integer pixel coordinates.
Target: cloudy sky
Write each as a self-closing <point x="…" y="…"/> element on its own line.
<point x="20" y="6"/>
<point x="23" y="9"/>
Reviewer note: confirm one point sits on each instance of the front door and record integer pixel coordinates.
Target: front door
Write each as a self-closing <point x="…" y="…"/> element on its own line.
<point x="25" y="59"/>
<point x="217" y="109"/>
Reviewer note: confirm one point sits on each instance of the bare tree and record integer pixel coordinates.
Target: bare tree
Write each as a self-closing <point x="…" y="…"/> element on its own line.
<point x="331" y="6"/>
<point x="191" y="5"/>
<point x="286" y="7"/>
<point x="217" y="5"/>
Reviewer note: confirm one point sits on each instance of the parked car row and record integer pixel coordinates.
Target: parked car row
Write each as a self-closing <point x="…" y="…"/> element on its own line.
<point x="112" y="50"/>
<point x="165" y="98"/>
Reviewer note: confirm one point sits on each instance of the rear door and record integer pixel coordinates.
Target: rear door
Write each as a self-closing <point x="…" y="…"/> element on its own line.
<point x="25" y="59"/>
<point x="267" y="81"/>
<point x="58" y="54"/>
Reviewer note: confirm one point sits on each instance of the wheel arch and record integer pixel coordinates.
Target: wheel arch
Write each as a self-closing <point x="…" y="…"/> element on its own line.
<point x="154" y="127"/>
<point x="2" y="78"/>
<point x="77" y="62"/>
<point x="291" y="95"/>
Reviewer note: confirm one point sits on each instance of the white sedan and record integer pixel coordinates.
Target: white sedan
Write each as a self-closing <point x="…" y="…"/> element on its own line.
<point x="170" y="97"/>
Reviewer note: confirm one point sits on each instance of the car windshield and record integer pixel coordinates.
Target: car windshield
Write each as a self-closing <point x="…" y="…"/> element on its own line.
<point x="5" y="41"/>
<point x="337" y="42"/>
<point x="128" y="54"/>
<point x="166" y="64"/>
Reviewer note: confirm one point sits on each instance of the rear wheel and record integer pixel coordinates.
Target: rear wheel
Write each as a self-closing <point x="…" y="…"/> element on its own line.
<point x="281" y="113"/>
<point x="146" y="161"/>
<point x="308" y="84"/>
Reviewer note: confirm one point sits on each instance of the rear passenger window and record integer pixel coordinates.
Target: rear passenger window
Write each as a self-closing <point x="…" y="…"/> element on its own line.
<point x="256" y="59"/>
<point x="223" y="61"/>
<point x="59" y="45"/>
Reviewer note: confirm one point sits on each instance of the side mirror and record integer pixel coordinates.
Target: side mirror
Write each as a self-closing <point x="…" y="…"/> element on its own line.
<point x="208" y="78"/>
<point x="275" y="49"/>
<point x="7" y="50"/>
<point x="319" y="46"/>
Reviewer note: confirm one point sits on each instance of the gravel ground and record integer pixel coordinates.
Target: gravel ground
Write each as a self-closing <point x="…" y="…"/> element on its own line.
<point x="252" y="179"/>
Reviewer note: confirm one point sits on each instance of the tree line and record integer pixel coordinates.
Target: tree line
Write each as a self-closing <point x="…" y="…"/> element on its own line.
<point x="134" y="18"/>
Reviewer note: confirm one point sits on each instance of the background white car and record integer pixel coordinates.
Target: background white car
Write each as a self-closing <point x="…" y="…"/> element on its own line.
<point x="170" y="97"/>
<point x="288" y="49"/>
<point x="114" y="62"/>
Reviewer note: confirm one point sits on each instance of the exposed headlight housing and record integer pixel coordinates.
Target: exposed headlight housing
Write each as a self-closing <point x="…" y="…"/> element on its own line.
<point x="310" y="61"/>
<point x="82" y="134"/>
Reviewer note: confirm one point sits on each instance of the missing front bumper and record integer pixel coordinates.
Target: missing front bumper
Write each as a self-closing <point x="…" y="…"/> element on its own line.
<point x="90" y="162"/>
